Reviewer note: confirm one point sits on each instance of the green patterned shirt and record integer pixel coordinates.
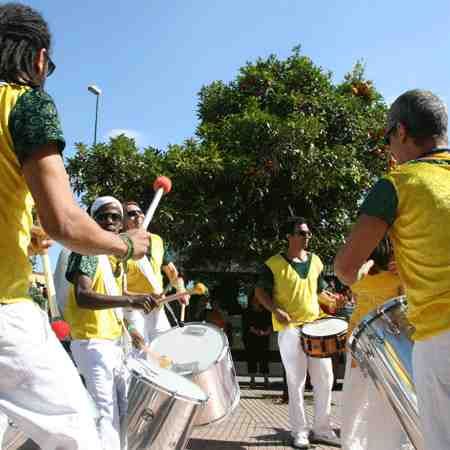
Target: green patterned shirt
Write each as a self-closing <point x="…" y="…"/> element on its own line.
<point x="34" y="122"/>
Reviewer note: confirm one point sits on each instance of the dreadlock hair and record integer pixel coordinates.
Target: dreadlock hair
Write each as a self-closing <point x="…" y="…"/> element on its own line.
<point x="23" y="33"/>
<point x="382" y="254"/>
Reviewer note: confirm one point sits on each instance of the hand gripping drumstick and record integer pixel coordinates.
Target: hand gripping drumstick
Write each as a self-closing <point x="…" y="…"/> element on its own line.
<point x="198" y="289"/>
<point x="162" y="185"/>
<point x="59" y="326"/>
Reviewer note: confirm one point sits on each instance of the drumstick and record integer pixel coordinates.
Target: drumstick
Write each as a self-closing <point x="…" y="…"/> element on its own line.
<point x="59" y="326"/>
<point x="162" y="185"/>
<point x="182" y="289"/>
<point x="198" y="289"/>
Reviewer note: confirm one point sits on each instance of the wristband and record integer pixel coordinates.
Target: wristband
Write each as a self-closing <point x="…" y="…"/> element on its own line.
<point x="131" y="328"/>
<point x="130" y="247"/>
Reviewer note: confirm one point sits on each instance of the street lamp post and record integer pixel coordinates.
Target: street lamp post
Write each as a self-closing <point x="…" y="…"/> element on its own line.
<point x="97" y="92"/>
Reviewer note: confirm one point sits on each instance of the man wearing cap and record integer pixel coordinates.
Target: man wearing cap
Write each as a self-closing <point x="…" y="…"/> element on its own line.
<point x="39" y="388"/>
<point x="288" y="287"/>
<point x="412" y="204"/>
<point x="93" y="310"/>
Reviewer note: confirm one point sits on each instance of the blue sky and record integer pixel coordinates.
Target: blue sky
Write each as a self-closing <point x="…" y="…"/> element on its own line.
<point x="150" y="58"/>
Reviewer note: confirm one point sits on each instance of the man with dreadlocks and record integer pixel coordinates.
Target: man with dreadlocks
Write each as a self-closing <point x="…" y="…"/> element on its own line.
<point x="39" y="387"/>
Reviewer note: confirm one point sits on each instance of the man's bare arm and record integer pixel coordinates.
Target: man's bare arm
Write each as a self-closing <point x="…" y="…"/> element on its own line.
<point x="363" y="238"/>
<point x="60" y="215"/>
<point x="266" y="300"/>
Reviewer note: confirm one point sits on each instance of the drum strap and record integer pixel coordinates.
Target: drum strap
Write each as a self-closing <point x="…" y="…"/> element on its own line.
<point x="112" y="289"/>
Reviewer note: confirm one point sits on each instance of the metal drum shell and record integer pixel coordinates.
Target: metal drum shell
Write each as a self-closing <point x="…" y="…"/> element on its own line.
<point x="218" y="380"/>
<point x="382" y="346"/>
<point x="157" y="418"/>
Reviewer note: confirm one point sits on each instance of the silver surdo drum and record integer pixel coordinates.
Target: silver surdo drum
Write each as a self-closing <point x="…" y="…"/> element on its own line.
<point x="382" y="346"/>
<point x="162" y="407"/>
<point x="200" y="352"/>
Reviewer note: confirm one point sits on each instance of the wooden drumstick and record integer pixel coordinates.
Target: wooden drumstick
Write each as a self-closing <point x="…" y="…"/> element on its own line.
<point x="198" y="289"/>
<point x="59" y="326"/>
<point x="162" y="185"/>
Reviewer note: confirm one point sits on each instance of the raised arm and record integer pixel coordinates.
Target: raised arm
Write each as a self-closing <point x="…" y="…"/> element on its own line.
<point x="60" y="215"/>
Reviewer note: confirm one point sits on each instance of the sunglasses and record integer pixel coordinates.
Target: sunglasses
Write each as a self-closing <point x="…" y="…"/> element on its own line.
<point x="387" y="135"/>
<point x="134" y="213"/>
<point x="103" y="217"/>
<point x="51" y="66"/>
<point x="303" y="233"/>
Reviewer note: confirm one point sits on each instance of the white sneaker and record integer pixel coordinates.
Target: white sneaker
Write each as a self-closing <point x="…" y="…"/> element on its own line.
<point x="300" y="440"/>
<point x="326" y="437"/>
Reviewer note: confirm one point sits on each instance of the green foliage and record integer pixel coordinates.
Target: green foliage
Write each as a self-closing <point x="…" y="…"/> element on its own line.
<point x="279" y="136"/>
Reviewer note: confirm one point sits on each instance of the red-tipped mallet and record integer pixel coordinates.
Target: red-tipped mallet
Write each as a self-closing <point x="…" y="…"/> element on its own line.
<point x="59" y="326"/>
<point x="162" y="185"/>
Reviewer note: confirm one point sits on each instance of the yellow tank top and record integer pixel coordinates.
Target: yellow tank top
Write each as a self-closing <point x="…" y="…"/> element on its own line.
<point x="293" y="294"/>
<point x="422" y="241"/>
<point x="93" y="324"/>
<point x="16" y="210"/>
<point x="136" y="281"/>
<point x="373" y="291"/>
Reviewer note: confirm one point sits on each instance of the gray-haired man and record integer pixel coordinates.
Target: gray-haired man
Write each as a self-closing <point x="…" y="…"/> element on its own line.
<point x="412" y="204"/>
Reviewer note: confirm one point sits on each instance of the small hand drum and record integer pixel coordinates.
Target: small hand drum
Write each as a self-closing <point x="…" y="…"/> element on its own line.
<point x="324" y="337"/>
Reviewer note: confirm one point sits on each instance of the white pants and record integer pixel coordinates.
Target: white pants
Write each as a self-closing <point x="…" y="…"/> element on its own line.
<point x="431" y="366"/>
<point x="100" y="361"/>
<point x="368" y="421"/>
<point x="296" y="364"/>
<point x="149" y="325"/>
<point x="40" y="390"/>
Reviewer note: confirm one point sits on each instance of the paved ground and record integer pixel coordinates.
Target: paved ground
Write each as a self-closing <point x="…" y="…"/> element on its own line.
<point x="259" y="422"/>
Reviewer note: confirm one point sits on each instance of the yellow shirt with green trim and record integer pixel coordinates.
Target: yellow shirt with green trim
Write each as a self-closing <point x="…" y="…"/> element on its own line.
<point x="293" y="293"/>
<point x="415" y="200"/>
<point x="136" y="281"/>
<point x="88" y="323"/>
<point x="28" y="120"/>
<point x="373" y="291"/>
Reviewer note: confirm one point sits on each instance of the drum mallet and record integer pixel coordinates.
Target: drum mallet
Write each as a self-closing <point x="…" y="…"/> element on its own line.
<point x="162" y="185"/>
<point x="60" y="327"/>
<point x="198" y="289"/>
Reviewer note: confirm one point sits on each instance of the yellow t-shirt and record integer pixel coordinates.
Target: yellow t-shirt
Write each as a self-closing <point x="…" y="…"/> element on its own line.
<point x="28" y="119"/>
<point x="422" y="241"/>
<point x="293" y="294"/>
<point x="136" y="281"/>
<point x="373" y="291"/>
<point x="88" y="323"/>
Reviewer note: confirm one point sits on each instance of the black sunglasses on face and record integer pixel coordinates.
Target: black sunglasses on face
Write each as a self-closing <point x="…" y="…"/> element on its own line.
<point x="387" y="135"/>
<point x="303" y="233"/>
<point x="105" y="216"/>
<point x="50" y="65"/>
<point x="134" y="213"/>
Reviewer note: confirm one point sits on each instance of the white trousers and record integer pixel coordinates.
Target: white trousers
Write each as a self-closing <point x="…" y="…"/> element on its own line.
<point x="100" y="361"/>
<point x="296" y="364"/>
<point x="368" y="421"/>
<point x="431" y="366"/>
<point x="149" y="325"/>
<point x="40" y="390"/>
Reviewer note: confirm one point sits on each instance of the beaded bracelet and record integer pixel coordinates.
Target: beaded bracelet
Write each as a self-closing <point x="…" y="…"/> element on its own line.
<point x="130" y="247"/>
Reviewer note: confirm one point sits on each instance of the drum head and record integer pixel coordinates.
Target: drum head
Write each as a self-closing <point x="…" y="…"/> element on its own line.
<point x="325" y="327"/>
<point x="166" y="380"/>
<point x="196" y="345"/>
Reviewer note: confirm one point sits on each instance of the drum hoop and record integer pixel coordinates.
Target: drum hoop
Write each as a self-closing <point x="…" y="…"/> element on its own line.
<point x="165" y="390"/>
<point x="372" y="316"/>
<point x="327" y="336"/>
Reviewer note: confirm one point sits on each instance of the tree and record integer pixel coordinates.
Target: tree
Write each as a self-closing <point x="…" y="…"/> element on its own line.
<point x="279" y="138"/>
